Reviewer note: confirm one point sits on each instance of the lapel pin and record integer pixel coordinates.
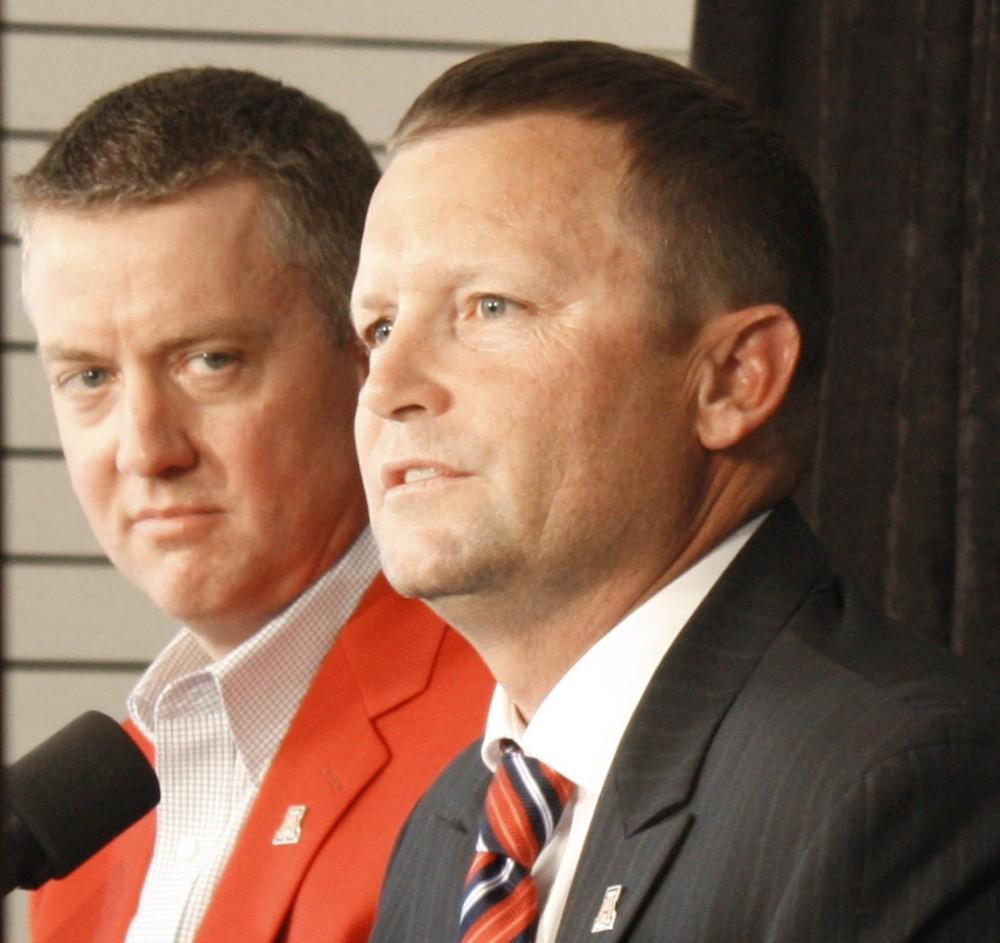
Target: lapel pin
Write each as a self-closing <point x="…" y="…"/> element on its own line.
<point x="290" y="830"/>
<point x="608" y="914"/>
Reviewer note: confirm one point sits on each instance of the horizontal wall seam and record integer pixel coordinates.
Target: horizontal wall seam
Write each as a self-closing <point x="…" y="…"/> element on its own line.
<point x="233" y="36"/>
<point x="54" y="559"/>
<point x="66" y="664"/>
<point x="45" y="136"/>
<point x="26" y="134"/>
<point x="23" y="452"/>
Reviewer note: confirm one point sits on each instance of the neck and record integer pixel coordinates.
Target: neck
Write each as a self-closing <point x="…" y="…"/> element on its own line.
<point x="530" y="639"/>
<point x="529" y="644"/>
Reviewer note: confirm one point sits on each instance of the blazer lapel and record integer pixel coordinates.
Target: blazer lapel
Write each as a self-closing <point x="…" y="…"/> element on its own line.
<point x="642" y="815"/>
<point x="329" y="755"/>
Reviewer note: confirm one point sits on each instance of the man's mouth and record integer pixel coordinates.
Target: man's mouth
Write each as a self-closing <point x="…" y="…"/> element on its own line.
<point x="421" y="473"/>
<point x="414" y="471"/>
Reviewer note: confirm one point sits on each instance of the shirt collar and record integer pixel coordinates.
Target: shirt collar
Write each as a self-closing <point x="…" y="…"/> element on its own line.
<point x="269" y="673"/>
<point x="577" y="728"/>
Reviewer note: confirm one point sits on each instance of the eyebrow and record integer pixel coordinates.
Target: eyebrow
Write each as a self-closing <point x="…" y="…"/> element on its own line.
<point x="369" y="303"/>
<point x="50" y="352"/>
<point x="229" y="327"/>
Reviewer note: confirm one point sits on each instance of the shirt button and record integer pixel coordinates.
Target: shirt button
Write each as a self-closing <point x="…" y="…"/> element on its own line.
<point x="187" y="848"/>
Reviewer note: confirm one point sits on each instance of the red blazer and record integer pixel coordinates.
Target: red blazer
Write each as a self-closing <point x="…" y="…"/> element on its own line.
<point x="396" y="697"/>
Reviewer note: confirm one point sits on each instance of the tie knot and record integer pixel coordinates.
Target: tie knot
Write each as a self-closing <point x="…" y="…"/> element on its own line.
<point x="523" y="806"/>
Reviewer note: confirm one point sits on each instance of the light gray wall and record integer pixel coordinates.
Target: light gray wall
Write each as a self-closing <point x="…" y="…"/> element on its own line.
<point x="77" y="633"/>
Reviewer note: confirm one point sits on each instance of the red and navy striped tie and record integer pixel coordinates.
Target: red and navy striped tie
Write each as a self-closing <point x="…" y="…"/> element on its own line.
<point x="523" y="806"/>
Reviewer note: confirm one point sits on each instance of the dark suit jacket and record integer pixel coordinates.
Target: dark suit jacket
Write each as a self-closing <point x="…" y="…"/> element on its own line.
<point x="798" y="770"/>
<point x="397" y="696"/>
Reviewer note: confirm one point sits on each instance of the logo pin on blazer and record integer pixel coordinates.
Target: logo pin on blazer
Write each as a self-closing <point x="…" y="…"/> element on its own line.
<point x="290" y="830"/>
<point x="608" y="914"/>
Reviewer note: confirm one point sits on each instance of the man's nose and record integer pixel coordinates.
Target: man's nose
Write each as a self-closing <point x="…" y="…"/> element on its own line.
<point x="406" y="375"/>
<point x="152" y="437"/>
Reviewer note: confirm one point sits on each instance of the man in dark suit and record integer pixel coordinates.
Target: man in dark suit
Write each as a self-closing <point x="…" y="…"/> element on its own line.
<point x="594" y="290"/>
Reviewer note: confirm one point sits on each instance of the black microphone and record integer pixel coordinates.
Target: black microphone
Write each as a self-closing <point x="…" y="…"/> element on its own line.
<point x="68" y="797"/>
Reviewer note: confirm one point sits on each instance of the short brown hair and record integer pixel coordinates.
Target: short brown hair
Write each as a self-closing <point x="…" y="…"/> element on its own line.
<point x="731" y="216"/>
<point x="169" y="132"/>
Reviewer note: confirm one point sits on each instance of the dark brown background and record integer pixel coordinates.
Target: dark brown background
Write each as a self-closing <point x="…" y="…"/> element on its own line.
<point x="893" y="106"/>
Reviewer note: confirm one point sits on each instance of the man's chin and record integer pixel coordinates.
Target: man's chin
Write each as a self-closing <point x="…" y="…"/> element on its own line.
<point x="186" y="598"/>
<point x="430" y="582"/>
<point x="415" y="585"/>
<point x="440" y="566"/>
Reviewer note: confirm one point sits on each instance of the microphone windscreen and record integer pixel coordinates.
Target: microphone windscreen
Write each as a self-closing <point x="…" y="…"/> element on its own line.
<point x="78" y="790"/>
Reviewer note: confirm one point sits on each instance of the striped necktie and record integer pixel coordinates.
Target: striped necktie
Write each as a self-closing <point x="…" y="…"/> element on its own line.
<point x="523" y="806"/>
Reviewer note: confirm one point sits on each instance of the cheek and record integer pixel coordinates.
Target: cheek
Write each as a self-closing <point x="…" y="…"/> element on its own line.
<point x="285" y="453"/>
<point x="250" y="465"/>
<point x="93" y="483"/>
<point x="90" y="459"/>
<point x="365" y="435"/>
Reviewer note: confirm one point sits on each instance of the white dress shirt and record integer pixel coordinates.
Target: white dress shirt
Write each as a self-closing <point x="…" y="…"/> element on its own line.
<point x="577" y="728"/>
<point x="216" y="727"/>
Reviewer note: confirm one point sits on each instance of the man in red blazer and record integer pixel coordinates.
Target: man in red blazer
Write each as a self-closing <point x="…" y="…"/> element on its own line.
<point x="190" y="242"/>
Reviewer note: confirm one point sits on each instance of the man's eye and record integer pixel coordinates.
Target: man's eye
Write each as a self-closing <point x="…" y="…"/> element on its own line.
<point x="379" y="332"/>
<point x="211" y="361"/>
<point x="493" y="306"/>
<point x="93" y="377"/>
<point x="90" y="378"/>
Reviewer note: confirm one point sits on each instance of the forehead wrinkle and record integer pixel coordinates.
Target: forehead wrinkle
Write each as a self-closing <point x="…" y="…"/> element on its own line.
<point x="488" y="245"/>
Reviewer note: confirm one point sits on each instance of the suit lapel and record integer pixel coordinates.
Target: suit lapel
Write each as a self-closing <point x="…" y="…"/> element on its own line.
<point x="610" y="887"/>
<point x="329" y="755"/>
<point x="422" y="895"/>
<point x="451" y="836"/>
<point x="643" y="815"/>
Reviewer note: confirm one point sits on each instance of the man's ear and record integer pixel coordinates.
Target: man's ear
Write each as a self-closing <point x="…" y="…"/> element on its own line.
<point x="748" y="358"/>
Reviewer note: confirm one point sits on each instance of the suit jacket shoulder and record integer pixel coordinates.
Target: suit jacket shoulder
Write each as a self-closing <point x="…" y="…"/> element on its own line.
<point x="395" y="698"/>
<point x="800" y="769"/>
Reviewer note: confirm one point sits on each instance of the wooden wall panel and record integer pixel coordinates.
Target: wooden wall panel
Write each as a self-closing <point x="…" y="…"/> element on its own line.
<point x="29" y="696"/>
<point x="15" y="325"/>
<point x="73" y="612"/>
<point x="27" y="409"/>
<point x="664" y="25"/>
<point x="51" y="77"/>
<point x="41" y="516"/>
<point x="19" y="154"/>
